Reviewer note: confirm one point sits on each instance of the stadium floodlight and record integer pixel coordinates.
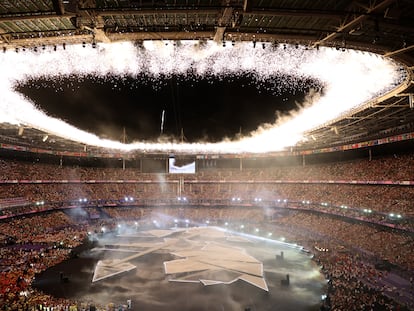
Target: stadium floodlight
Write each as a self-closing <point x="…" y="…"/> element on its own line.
<point x="394" y="215"/>
<point x="207" y="222"/>
<point x="269" y="234"/>
<point x="226" y="223"/>
<point x="241" y="226"/>
<point x="175" y="221"/>
<point x="128" y="199"/>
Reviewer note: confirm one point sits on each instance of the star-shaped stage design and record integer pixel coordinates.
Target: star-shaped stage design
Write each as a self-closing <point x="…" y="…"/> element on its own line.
<point x="203" y="255"/>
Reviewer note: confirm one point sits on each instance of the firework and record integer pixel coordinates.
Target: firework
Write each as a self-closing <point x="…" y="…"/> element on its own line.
<point x="349" y="79"/>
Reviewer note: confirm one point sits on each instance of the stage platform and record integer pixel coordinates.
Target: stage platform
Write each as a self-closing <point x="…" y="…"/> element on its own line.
<point x="199" y="268"/>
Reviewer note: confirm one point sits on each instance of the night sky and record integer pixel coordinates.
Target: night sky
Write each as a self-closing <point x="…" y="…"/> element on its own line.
<point x="207" y="109"/>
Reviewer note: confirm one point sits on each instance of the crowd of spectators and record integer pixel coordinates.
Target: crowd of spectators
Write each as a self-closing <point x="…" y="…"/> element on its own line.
<point x="395" y="167"/>
<point x="348" y="254"/>
<point x="395" y="246"/>
<point x="378" y="197"/>
<point x="29" y="246"/>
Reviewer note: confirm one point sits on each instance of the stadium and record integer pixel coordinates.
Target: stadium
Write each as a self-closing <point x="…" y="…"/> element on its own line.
<point x="206" y="155"/>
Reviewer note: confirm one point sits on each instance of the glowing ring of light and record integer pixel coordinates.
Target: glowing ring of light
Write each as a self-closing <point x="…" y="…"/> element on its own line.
<point x="351" y="78"/>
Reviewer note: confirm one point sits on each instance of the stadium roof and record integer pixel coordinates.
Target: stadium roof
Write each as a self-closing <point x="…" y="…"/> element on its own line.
<point x="385" y="27"/>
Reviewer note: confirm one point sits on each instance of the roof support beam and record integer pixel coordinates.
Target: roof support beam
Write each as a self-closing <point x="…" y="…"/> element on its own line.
<point x="298" y="13"/>
<point x="4" y="38"/>
<point x="247" y="5"/>
<point x="72" y="39"/>
<point x="153" y="12"/>
<point x="214" y="11"/>
<point x="100" y="36"/>
<point x="219" y="34"/>
<point x="58" y="6"/>
<point x="33" y="17"/>
<point x="147" y="35"/>
<point x="400" y="51"/>
<point x="223" y="21"/>
<point x="357" y="20"/>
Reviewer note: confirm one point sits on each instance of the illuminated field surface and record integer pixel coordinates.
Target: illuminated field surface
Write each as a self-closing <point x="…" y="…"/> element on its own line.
<point x="189" y="269"/>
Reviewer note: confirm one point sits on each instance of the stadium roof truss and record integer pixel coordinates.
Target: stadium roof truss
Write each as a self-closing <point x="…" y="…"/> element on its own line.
<point x="385" y="27"/>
